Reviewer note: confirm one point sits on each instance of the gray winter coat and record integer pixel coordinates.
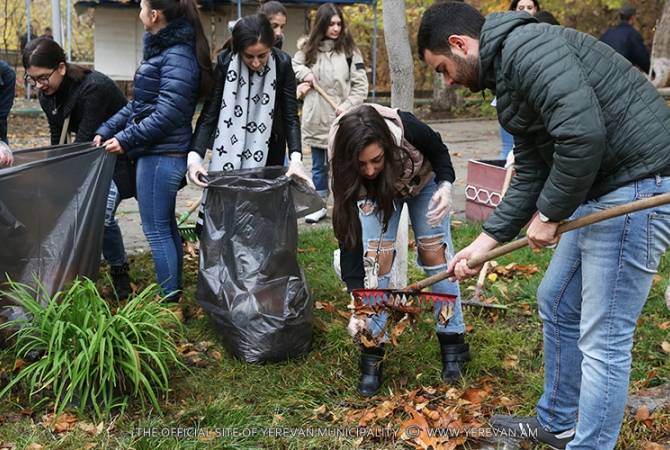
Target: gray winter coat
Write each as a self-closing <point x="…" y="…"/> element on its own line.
<point x="585" y="121"/>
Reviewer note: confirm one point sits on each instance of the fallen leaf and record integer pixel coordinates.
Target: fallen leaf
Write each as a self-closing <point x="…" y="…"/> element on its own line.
<point x="90" y="428"/>
<point x="665" y="345"/>
<point x="654" y="446"/>
<point x="7" y="446"/>
<point x="474" y="395"/>
<point x="511" y="362"/>
<point x="398" y="330"/>
<point x="665" y="325"/>
<point x="642" y="413"/>
<point x="215" y="354"/>
<point x="65" y="422"/>
<point x="90" y="445"/>
<point x="19" y="364"/>
<point x="492" y="277"/>
<point x="446" y="312"/>
<point x="203" y="346"/>
<point x="525" y="309"/>
<point x="35" y="446"/>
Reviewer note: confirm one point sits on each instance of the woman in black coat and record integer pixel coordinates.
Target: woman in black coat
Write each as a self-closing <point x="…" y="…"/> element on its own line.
<point x="86" y="99"/>
<point x="251" y="115"/>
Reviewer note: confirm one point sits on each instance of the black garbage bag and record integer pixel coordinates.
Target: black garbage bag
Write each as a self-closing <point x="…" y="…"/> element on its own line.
<point x="52" y="213"/>
<point x="249" y="281"/>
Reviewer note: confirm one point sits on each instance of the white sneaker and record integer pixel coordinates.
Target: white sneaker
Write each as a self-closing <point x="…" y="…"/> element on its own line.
<point x="316" y="216"/>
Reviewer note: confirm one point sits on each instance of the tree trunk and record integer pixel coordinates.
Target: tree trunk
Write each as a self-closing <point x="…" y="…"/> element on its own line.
<point x="401" y="66"/>
<point x="659" y="74"/>
<point x="445" y="98"/>
<point x="399" y="54"/>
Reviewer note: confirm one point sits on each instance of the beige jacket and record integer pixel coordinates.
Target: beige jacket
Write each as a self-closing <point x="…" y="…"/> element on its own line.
<point x="346" y="84"/>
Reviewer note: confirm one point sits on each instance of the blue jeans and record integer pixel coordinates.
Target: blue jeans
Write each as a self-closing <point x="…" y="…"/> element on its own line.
<point x="158" y="179"/>
<point x="320" y="171"/>
<point x="589" y="301"/>
<point x="507" y="143"/>
<point x="418" y="206"/>
<point x="112" y="241"/>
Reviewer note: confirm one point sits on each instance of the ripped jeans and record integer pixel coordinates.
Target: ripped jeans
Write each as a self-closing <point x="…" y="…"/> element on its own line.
<point x="429" y="240"/>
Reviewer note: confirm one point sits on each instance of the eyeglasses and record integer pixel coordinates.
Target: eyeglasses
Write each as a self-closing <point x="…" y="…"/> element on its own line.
<point x="41" y="80"/>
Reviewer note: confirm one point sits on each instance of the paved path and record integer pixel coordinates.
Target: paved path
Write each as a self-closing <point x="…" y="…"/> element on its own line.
<point x="467" y="139"/>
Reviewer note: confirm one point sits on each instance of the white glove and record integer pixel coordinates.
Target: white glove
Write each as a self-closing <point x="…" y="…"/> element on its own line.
<point x="667" y="297"/>
<point x="6" y="156"/>
<point x="295" y="167"/>
<point x="355" y="326"/>
<point x="440" y="204"/>
<point x="196" y="168"/>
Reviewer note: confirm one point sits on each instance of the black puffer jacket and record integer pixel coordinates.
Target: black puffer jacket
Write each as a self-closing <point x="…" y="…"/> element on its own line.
<point x="285" y="124"/>
<point x="165" y="93"/>
<point x="585" y="121"/>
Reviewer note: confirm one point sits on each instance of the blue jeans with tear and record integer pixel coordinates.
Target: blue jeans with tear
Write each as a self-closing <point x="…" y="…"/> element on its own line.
<point x="418" y="206"/>
<point x="589" y="302"/>
<point x="158" y="179"/>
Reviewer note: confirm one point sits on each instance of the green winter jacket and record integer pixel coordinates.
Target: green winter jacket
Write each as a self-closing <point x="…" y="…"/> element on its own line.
<point x="585" y="122"/>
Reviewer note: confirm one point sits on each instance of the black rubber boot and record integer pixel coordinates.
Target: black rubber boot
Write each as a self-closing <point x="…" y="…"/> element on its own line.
<point x="371" y="370"/>
<point x="455" y="353"/>
<point x="121" y="281"/>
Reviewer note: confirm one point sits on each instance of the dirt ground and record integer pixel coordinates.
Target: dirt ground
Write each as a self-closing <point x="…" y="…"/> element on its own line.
<point x="466" y="139"/>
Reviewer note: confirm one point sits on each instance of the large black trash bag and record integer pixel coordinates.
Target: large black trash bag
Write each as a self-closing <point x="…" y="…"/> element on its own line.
<point x="52" y="212"/>
<point x="249" y="281"/>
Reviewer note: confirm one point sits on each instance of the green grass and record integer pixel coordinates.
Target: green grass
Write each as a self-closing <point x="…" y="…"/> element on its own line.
<point x="233" y="394"/>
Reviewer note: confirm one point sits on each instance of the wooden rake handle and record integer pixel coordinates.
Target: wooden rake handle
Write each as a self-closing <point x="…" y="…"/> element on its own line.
<point x="323" y="94"/>
<point x="570" y="225"/>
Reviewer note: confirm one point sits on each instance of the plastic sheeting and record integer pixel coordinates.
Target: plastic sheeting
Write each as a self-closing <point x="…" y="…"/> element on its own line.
<point x="249" y="280"/>
<point x="52" y="212"/>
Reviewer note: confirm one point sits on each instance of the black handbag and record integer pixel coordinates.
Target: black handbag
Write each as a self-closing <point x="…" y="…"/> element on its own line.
<point x="124" y="176"/>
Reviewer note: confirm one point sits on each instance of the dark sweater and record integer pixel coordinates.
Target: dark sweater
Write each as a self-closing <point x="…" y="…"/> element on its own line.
<point x="628" y="42"/>
<point x="88" y="102"/>
<point x="428" y="142"/>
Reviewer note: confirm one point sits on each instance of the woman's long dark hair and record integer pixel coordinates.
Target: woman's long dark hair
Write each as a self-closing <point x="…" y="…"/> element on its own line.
<point x="173" y="9"/>
<point x="250" y="30"/>
<point x="358" y="129"/>
<point x="344" y="42"/>
<point x="45" y="52"/>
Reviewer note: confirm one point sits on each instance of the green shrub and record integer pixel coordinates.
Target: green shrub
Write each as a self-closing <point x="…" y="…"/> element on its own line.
<point x="89" y="355"/>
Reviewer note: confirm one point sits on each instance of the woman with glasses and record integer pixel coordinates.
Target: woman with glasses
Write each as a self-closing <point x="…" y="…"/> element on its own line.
<point x="84" y="99"/>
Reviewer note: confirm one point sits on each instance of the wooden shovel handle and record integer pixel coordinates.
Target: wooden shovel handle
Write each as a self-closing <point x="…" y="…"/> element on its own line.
<point x="323" y="94"/>
<point x="570" y="225"/>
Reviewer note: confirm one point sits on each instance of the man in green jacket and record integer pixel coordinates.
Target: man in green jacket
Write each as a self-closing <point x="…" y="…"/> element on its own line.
<point x="590" y="133"/>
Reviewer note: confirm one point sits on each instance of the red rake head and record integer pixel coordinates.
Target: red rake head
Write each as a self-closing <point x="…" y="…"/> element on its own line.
<point x="398" y="296"/>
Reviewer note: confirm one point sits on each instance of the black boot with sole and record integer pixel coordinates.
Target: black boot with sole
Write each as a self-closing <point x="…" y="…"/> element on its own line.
<point x="121" y="281"/>
<point x="371" y="370"/>
<point x="455" y="353"/>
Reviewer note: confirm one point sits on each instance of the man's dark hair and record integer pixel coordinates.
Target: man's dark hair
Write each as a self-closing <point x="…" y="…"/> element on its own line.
<point x="626" y="12"/>
<point x="272" y="8"/>
<point x="442" y="20"/>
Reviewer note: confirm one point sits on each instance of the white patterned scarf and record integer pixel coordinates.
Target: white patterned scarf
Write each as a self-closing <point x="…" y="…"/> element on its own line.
<point x="245" y="120"/>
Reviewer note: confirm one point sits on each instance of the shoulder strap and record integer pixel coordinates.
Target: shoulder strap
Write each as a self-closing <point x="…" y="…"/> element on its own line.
<point x="63" y="133"/>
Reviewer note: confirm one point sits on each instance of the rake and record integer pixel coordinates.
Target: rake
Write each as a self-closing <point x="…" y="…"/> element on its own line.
<point x="187" y="230"/>
<point x="414" y="292"/>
